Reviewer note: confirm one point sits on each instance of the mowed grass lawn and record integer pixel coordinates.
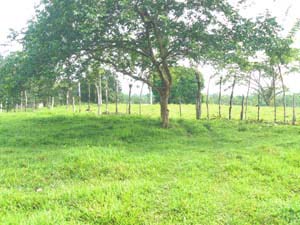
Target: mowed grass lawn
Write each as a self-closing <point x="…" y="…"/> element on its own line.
<point x="65" y="168"/>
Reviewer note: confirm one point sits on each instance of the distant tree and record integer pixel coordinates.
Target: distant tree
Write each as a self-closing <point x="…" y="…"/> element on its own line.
<point x="184" y="86"/>
<point x="14" y="79"/>
<point x="281" y="54"/>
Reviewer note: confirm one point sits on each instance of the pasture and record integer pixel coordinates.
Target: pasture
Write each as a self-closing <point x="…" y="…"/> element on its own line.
<point x="57" y="167"/>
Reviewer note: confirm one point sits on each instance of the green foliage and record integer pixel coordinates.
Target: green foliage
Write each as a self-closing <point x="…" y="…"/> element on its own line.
<point x="12" y="78"/>
<point x="144" y="39"/>
<point x="76" y="41"/>
<point x="184" y="86"/>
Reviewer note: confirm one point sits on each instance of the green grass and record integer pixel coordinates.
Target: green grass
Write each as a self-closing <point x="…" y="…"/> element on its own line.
<point x="64" y="168"/>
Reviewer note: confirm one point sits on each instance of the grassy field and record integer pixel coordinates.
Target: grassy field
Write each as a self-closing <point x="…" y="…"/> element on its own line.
<point x="65" y="168"/>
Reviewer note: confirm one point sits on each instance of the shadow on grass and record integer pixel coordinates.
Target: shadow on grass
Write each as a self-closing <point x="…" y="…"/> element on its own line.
<point x="130" y="132"/>
<point x="72" y="131"/>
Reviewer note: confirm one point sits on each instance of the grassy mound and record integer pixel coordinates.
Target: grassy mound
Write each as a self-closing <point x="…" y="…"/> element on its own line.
<point x="60" y="168"/>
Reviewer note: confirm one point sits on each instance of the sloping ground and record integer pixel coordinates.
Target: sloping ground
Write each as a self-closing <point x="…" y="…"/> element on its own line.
<point x="65" y="169"/>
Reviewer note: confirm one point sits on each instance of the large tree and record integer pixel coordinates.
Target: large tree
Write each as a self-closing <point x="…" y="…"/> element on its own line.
<point x="142" y="39"/>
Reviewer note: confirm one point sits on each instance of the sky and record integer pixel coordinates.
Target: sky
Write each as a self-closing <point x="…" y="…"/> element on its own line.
<point x="14" y="14"/>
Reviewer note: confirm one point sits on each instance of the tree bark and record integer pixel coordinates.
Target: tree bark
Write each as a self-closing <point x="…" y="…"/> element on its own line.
<point x="49" y="102"/>
<point x="247" y="98"/>
<point x="21" y="105"/>
<point x="141" y="94"/>
<point x="106" y="96"/>
<point x="220" y="97"/>
<point x="73" y="104"/>
<point x="34" y="103"/>
<point x="99" y="94"/>
<point x="231" y="97"/>
<point x="207" y="99"/>
<point x="52" y="102"/>
<point x="7" y="104"/>
<point x="129" y="99"/>
<point x="274" y="93"/>
<point x="258" y="98"/>
<point x="26" y="100"/>
<point x="89" y="96"/>
<point x="164" y="111"/>
<point x="198" y="97"/>
<point x="79" y="96"/>
<point x="242" y="110"/>
<point x="283" y="94"/>
<point x="294" y="110"/>
<point x="68" y="98"/>
<point x="117" y="98"/>
<point x="150" y="95"/>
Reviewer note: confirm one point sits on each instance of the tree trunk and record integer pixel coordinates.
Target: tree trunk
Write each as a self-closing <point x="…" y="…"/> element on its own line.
<point x="26" y="100"/>
<point x="52" y="102"/>
<point x="89" y="96"/>
<point x="73" y="104"/>
<point x="21" y="105"/>
<point x="68" y="98"/>
<point x="294" y="110"/>
<point x="150" y="95"/>
<point x="96" y="93"/>
<point x="231" y="97"/>
<point x="141" y="94"/>
<point x="198" y="97"/>
<point x="258" y="99"/>
<point x="1" y="107"/>
<point x="49" y="102"/>
<point x="242" y="110"/>
<point x="274" y="93"/>
<point x="283" y="95"/>
<point x="220" y="96"/>
<point x="247" y="98"/>
<point x="106" y="96"/>
<point x="129" y="99"/>
<point x="7" y="104"/>
<point x="207" y="99"/>
<point x="117" y="97"/>
<point x="99" y="94"/>
<point x="34" y="103"/>
<point x="79" y="96"/>
<point x="164" y="111"/>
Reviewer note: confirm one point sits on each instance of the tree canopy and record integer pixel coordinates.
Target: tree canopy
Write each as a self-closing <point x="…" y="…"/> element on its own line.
<point x="144" y="39"/>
